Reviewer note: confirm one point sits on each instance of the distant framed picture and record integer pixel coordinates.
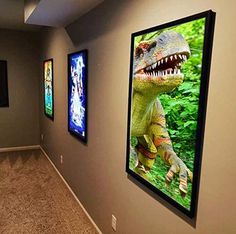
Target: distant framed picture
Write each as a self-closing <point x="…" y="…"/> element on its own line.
<point x="169" y="74"/>
<point x="77" y="94"/>
<point x="4" y="100"/>
<point x="48" y="88"/>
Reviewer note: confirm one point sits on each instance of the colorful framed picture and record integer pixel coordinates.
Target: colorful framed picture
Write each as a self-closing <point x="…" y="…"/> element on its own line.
<point x="4" y="100"/>
<point x="169" y="73"/>
<point x="77" y="94"/>
<point x="48" y="88"/>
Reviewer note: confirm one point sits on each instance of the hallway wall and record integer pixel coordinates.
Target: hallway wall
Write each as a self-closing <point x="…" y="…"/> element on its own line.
<point x="96" y="171"/>
<point x="19" y="123"/>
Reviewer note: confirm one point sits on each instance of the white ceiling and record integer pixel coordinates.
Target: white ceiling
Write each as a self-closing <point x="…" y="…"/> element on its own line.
<point x="60" y="13"/>
<point x="55" y="13"/>
<point x="12" y="15"/>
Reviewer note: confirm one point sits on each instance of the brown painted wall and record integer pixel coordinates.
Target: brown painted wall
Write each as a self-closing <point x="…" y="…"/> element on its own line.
<point x="96" y="171"/>
<point x="19" y="124"/>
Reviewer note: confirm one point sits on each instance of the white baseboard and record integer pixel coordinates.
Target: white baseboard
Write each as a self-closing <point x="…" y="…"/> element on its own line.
<point x="19" y="148"/>
<point x="67" y="185"/>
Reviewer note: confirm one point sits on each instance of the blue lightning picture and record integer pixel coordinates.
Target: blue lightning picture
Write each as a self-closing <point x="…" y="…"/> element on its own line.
<point x="77" y="94"/>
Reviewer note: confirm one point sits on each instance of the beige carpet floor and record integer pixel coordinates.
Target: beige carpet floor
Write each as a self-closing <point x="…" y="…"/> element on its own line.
<point x="34" y="199"/>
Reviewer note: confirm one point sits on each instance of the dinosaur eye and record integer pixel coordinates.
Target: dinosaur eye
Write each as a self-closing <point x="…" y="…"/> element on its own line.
<point x="162" y="39"/>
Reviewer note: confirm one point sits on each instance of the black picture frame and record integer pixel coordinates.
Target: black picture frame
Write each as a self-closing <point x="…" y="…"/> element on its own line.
<point x="4" y="99"/>
<point x="209" y="22"/>
<point x="48" y="81"/>
<point x="77" y="94"/>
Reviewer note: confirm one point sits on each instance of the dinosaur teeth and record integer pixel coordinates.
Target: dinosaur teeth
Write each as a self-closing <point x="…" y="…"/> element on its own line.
<point x="152" y="71"/>
<point x="176" y="72"/>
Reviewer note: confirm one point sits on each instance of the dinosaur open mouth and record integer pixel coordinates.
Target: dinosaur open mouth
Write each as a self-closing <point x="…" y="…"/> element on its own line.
<point x="169" y="65"/>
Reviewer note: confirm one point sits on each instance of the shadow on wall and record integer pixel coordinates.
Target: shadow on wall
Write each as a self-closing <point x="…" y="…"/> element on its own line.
<point x="99" y="21"/>
<point x="190" y="221"/>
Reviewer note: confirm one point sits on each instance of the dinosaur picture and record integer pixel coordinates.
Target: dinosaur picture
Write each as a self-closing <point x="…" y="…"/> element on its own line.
<point x="166" y="75"/>
<point x="48" y="88"/>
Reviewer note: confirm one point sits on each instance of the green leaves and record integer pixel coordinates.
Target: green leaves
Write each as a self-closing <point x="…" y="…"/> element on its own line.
<point x="181" y="106"/>
<point x="133" y="141"/>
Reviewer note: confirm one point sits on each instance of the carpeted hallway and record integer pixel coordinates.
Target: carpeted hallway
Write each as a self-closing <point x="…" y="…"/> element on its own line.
<point x="34" y="199"/>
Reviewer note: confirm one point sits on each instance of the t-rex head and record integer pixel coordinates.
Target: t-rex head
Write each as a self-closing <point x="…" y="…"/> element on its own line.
<point x="157" y="63"/>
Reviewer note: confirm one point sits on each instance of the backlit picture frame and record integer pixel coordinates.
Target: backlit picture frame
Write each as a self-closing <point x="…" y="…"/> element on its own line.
<point x="77" y="94"/>
<point x="169" y="76"/>
<point x="48" y="88"/>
